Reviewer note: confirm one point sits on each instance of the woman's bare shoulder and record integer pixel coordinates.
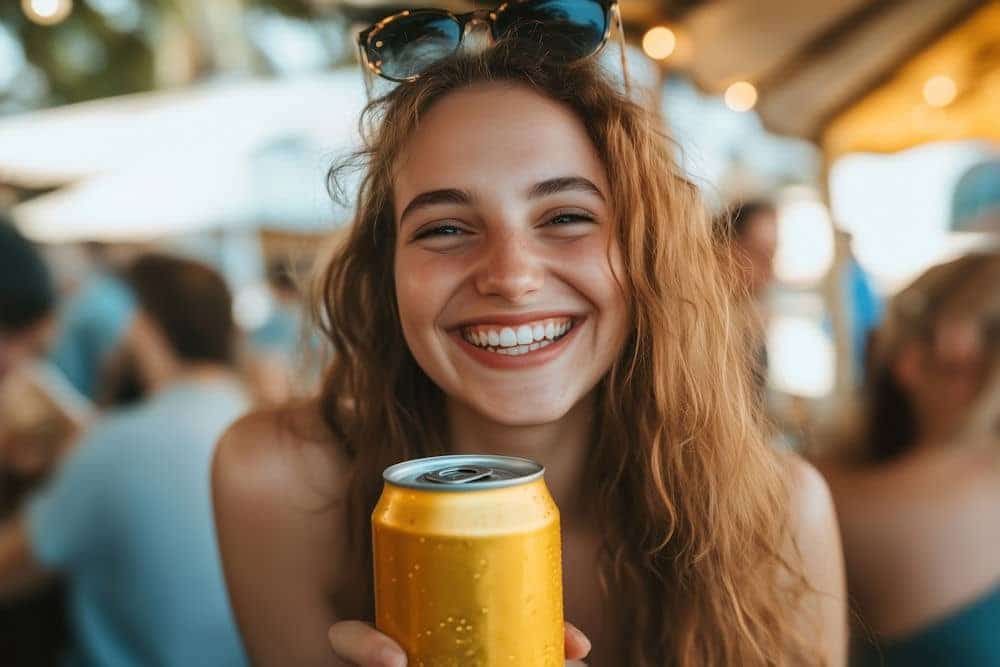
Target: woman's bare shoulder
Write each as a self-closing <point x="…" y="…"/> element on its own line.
<point x="818" y="549"/>
<point x="813" y="516"/>
<point x="276" y="455"/>
<point x="278" y="483"/>
<point x="809" y="492"/>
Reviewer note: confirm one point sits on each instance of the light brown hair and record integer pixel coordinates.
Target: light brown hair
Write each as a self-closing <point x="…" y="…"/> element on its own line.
<point x="689" y="499"/>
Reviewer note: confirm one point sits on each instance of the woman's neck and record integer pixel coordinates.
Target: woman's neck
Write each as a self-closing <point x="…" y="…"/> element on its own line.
<point x="561" y="446"/>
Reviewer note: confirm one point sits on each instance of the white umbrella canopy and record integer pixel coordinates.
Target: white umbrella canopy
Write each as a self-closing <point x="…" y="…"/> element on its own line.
<point x="66" y="144"/>
<point x="222" y="154"/>
<point x="177" y="192"/>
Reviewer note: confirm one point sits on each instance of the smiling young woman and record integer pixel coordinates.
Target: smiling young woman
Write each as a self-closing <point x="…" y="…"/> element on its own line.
<point x="529" y="274"/>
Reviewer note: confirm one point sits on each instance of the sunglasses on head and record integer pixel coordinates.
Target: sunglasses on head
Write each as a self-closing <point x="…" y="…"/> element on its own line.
<point x="400" y="47"/>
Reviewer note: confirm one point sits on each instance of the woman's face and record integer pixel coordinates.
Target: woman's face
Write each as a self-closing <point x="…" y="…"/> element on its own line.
<point x="946" y="376"/>
<point x="506" y="266"/>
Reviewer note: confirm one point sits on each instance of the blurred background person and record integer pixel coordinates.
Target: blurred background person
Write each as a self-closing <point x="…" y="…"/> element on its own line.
<point x="27" y="299"/>
<point x="128" y="517"/>
<point x="749" y="230"/>
<point x="273" y="355"/>
<point x="32" y="628"/>
<point x="918" y="489"/>
<point x="751" y="227"/>
<point x="92" y="321"/>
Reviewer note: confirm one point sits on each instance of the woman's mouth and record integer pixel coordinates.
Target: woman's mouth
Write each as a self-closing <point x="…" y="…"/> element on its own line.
<point x="520" y="339"/>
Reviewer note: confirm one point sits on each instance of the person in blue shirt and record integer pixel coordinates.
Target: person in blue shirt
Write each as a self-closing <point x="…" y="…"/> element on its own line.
<point x="91" y="325"/>
<point x="128" y="517"/>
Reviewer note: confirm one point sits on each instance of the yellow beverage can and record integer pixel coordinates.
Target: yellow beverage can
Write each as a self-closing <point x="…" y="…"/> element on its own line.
<point x="468" y="563"/>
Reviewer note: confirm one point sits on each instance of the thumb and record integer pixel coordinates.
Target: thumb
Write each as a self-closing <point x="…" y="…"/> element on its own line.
<point x="361" y="644"/>
<point x="577" y="644"/>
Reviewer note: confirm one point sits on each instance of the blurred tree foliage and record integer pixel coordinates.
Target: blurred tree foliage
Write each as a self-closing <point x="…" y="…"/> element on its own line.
<point x="295" y="8"/>
<point x="85" y="56"/>
<point x="91" y="55"/>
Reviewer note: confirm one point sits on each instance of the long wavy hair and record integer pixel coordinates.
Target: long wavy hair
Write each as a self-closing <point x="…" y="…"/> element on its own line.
<point x="691" y="502"/>
<point x="888" y="424"/>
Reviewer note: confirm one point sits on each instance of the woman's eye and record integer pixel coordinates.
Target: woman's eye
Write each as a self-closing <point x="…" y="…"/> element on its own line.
<point x="439" y="231"/>
<point x="568" y="219"/>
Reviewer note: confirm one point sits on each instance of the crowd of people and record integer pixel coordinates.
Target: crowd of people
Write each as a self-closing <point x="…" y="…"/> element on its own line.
<point x="197" y="513"/>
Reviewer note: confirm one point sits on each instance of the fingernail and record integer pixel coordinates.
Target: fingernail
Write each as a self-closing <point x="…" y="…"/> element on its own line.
<point x="390" y="656"/>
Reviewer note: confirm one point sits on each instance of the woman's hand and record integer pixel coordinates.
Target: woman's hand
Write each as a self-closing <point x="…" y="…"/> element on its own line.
<point x="362" y="645"/>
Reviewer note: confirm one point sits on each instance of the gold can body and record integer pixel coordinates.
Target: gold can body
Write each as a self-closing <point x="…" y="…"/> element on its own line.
<point x="470" y="578"/>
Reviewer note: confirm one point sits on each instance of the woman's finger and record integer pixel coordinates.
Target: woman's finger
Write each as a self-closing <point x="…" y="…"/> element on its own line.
<point x="363" y="645"/>
<point x="577" y="644"/>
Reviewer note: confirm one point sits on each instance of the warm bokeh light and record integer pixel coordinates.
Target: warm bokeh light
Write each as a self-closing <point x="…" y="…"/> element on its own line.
<point x="741" y="96"/>
<point x="805" y="241"/>
<point x="659" y="42"/>
<point x="940" y="91"/>
<point x="800" y="357"/>
<point x="47" y="12"/>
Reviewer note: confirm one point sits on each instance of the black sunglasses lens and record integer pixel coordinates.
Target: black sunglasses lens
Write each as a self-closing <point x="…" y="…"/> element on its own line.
<point x="408" y="45"/>
<point x="563" y="29"/>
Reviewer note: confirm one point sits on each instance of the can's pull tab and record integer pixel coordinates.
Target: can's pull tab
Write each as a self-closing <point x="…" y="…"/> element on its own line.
<point x="459" y="475"/>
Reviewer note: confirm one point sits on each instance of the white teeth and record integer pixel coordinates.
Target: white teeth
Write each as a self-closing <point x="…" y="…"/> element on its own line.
<point x="524" y="336"/>
<point x="520" y="340"/>
<point x="507" y="337"/>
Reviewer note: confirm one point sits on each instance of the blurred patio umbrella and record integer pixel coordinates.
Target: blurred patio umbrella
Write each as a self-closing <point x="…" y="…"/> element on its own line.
<point x="66" y="144"/>
<point x="223" y="154"/>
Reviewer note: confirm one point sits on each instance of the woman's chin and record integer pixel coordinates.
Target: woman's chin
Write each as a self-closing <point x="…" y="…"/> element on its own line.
<point x="521" y="412"/>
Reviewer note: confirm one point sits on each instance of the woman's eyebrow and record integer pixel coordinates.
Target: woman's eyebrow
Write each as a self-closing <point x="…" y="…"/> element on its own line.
<point x="562" y="184"/>
<point x="432" y="197"/>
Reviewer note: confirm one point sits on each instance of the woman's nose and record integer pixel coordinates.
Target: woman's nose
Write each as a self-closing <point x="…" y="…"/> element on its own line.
<point x="510" y="268"/>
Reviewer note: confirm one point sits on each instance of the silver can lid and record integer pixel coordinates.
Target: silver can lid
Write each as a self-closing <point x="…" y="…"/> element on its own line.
<point x="463" y="472"/>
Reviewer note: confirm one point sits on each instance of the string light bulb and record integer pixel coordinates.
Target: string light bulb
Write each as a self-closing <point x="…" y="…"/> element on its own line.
<point x="741" y="96"/>
<point x="940" y="91"/>
<point x="47" y="12"/>
<point x="659" y="42"/>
